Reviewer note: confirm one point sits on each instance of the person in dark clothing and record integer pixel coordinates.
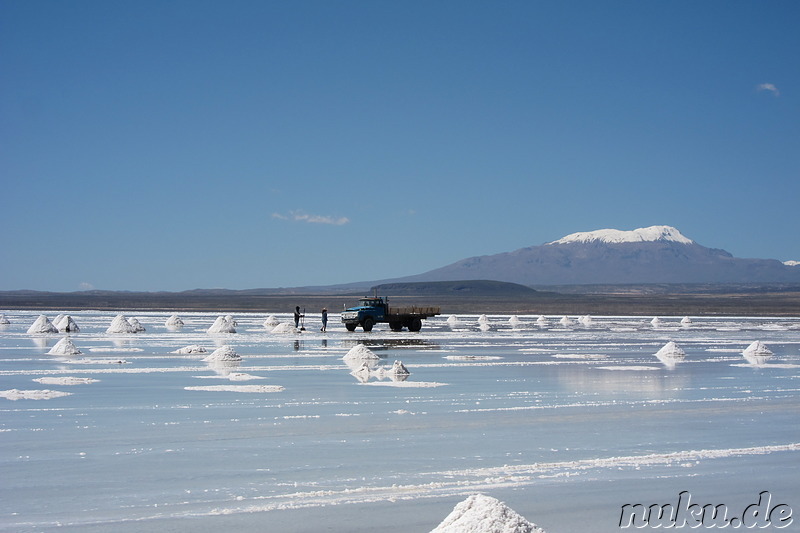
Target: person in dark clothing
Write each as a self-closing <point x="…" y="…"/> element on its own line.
<point x="297" y="316"/>
<point x="324" y="319"/>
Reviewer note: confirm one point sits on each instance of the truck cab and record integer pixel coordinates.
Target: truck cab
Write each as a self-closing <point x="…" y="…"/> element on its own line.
<point x="374" y="309"/>
<point x="371" y="310"/>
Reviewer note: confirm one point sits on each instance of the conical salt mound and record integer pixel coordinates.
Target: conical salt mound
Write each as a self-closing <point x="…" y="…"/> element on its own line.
<point x="64" y="347"/>
<point x="174" y="322"/>
<point x="224" y="353"/>
<point x="120" y="324"/>
<point x="566" y="321"/>
<point x="67" y="325"/>
<point x="686" y="321"/>
<point x="42" y="325"/>
<point x="484" y="514"/>
<point x="757" y="353"/>
<point x="136" y="325"/>
<point x="758" y="348"/>
<point x="3" y="320"/>
<point x="271" y="322"/>
<point x="360" y="352"/>
<point x="222" y="325"/>
<point x="284" y="327"/>
<point x="399" y="369"/>
<point x="671" y="350"/>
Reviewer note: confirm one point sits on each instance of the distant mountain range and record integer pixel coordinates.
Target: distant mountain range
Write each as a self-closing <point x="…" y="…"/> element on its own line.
<point x="657" y="254"/>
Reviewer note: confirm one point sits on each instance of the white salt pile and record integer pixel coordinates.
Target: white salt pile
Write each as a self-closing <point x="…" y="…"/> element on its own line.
<point x="670" y="351"/>
<point x="399" y="369"/>
<point x="3" y="320"/>
<point x="566" y="321"/>
<point x="362" y="373"/>
<point x="64" y="347"/>
<point x="284" y="327"/>
<point x="137" y="327"/>
<point x="271" y="322"/>
<point x="655" y="322"/>
<point x="359" y="352"/>
<point x="66" y="324"/>
<point x="120" y="324"/>
<point x="586" y="320"/>
<point x="222" y="325"/>
<point x="686" y="321"/>
<point x="192" y="348"/>
<point x="174" y="322"/>
<point x="223" y="353"/>
<point x="453" y="320"/>
<point x="483" y="319"/>
<point x="42" y="325"/>
<point x="542" y="321"/>
<point x="484" y="514"/>
<point x="514" y="320"/>
<point x="757" y="353"/>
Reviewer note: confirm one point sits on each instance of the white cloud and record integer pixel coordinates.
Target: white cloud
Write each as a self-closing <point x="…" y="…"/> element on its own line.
<point x="299" y="216"/>
<point x="768" y="87"/>
<point x="86" y="286"/>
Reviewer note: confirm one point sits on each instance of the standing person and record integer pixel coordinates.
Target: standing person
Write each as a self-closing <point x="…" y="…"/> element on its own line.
<point x="297" y="316"/>
<point x="324" y="319"/>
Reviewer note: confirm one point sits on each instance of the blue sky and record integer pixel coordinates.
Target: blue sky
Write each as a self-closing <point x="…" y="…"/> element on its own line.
<point x="171" y="145"/>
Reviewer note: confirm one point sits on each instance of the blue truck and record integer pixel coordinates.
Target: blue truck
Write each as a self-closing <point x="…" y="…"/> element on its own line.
<point x="374" y="309"/>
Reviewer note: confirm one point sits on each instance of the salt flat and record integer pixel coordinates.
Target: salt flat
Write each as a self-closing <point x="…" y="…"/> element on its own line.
<point x="566" y="420"/>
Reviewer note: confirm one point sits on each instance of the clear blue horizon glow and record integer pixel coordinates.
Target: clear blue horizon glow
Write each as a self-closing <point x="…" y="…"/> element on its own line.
<point x="174" y="145"/>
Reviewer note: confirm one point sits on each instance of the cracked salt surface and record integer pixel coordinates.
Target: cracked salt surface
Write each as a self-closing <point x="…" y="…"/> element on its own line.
<point x="527" y="411"/>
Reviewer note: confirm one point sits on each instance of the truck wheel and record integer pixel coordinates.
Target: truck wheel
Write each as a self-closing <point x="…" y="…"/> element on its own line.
<point x="350" y="327"/>
<point x="368" y="323"/>
<point x="415" y="325"/>
<point x="396" y="326"/>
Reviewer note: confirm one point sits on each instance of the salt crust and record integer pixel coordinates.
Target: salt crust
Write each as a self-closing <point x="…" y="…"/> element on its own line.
<point x="192" y="348"/>
<point x="406" y="384"/>
<point x="483" y="514"/>
<point x="66" y="380"/>
<point x="237" y="388"/>
<point x="16" y="394"/>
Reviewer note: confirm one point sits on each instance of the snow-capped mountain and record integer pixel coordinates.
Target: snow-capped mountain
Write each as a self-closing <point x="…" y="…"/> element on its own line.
<point x="653" y="233"/>
<point x="657" y="254"/>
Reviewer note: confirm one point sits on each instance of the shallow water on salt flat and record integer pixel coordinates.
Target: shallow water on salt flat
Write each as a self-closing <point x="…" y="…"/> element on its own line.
<point x="567" y="424"/>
